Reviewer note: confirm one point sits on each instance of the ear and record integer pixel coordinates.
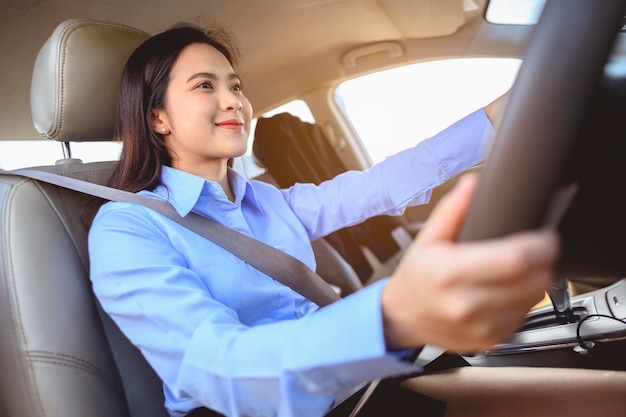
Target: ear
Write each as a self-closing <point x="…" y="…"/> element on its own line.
<point x="158" y="122"/>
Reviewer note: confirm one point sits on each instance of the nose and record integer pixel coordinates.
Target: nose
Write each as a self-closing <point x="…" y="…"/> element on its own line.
<point x="229" y="101"/>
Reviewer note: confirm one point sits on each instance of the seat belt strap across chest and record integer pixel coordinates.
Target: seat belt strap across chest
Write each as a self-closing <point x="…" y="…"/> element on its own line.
<point x="265" y="258"/>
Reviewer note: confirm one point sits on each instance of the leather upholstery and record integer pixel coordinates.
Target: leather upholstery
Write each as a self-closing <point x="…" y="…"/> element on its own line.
<point x="59" y="356"/>
<point x="48" y="320"/>
<point x="77" y="72"/>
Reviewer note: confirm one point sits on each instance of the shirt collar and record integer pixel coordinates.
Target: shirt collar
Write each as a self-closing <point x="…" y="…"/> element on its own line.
<point x="183" y="190"/>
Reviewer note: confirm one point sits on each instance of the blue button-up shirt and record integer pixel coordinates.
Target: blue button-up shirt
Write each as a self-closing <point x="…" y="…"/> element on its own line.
<point x="223" y="335"/>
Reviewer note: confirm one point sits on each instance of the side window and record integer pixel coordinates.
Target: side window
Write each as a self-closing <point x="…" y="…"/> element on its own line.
<point x="246" y="164"/>
<point x="395" y="109"/>
<point x="27" y="153"/>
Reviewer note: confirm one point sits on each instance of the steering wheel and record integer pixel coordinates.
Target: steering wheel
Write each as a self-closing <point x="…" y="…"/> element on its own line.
<point x="523" y="183"/>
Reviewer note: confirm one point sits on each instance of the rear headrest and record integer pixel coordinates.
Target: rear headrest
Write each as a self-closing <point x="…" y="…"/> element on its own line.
<point x="76" y="78"/>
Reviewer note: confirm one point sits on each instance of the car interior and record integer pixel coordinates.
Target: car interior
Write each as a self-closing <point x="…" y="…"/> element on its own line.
<point x="62" y="356"/>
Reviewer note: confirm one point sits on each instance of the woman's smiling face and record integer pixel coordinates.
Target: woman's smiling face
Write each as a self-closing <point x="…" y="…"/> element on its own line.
<point x="206" y="116"/>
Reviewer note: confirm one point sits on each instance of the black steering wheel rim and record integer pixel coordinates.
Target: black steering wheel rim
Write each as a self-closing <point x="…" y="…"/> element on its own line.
<point x="561" y="70"/>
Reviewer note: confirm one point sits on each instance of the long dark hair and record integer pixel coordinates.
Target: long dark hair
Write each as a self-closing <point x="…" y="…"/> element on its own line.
<point x="142" y="88"/>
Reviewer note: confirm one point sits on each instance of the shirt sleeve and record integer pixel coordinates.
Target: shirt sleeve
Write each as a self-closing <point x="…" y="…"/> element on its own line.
<point x="204" y="353"/>
<point x="401" y="180"/>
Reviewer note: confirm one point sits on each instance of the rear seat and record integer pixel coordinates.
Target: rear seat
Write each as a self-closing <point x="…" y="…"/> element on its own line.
<point x="295" y="151"/>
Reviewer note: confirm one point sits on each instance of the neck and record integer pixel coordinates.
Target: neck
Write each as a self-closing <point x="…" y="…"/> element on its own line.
<point x="212" y="172"/>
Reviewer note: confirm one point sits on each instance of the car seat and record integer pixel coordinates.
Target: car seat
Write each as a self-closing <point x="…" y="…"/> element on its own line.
<point x="295" y="151"/>
<point x="60" y="356"/>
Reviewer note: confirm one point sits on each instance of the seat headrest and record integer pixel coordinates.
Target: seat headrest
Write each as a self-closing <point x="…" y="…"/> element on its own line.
<point x="76" y="77"/>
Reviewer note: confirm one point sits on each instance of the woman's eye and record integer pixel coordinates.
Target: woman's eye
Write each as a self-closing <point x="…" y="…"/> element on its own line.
<point x="205" y="84"/>
<point x="237" y="87"/>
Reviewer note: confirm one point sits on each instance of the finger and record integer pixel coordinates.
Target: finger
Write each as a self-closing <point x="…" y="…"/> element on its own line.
<point x="447" y="218"/>
<point x="520" y="295"/>
<point x="509" y="258"/>
<point x="500" y="311"/>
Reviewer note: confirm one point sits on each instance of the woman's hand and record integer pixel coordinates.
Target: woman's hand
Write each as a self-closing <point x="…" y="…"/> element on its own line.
<point x="464" y="296"/>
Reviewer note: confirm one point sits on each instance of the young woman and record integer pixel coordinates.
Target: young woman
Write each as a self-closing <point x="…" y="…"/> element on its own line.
<point x="223" y="335"/>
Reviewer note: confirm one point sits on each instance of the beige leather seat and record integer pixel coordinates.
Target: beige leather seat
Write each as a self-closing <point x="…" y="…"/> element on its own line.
<point x="57" y="359"/>
<point x="60" y="356"/>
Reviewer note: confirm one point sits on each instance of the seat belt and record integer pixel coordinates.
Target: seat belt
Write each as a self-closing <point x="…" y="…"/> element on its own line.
<point x="271" y="261"/>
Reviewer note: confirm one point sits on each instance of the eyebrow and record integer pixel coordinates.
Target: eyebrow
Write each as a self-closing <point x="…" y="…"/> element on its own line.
<point x="211" y="76"/>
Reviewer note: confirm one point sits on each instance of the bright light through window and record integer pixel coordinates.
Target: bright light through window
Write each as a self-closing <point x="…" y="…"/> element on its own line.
<point x="514" y="12"/>
<point x="395" y="109"/>
<point x="28" y="153"/>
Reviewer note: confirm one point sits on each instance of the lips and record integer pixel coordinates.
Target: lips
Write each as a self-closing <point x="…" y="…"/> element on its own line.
<point x="234" y="124"/>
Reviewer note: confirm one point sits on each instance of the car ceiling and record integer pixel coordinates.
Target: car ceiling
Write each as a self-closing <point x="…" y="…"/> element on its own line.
<point x="288" y="47"/>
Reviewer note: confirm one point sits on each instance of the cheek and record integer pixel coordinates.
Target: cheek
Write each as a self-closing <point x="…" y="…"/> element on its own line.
<point x="247" y="113"/>
<point x="247" y="105"/>
<point x="194" y="114"/>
